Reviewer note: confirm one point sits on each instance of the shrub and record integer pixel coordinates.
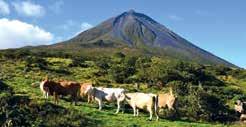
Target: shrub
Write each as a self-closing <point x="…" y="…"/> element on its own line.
<point x="196" y="104"/>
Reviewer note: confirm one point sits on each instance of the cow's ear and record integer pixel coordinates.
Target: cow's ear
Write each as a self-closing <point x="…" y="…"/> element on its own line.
<point x="171" y="90"/>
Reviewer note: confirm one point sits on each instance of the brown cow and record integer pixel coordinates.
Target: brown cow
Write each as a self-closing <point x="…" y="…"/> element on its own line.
<point x="83" y="88"/>
<point x="166" y="100"/>
<point x="55" y="89"/>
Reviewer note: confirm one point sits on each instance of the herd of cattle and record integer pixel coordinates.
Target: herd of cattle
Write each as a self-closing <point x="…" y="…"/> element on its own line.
<point x="152" y="102"/>
<point x="149" y="101"/>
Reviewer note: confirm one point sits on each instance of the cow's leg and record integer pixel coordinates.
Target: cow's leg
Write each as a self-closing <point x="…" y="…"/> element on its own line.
<point x="118" y="107"/>
<point x="134" y="110"/>
<point x="88" y="99"/>
<point x="137" y="112"/>
<point x="157" y="113"/>
<point x="56" y="97"/>
<point x="100" y="104"/>
<point x="123" y="107"/>
<point x="47" y="95"/>
<point x="150" y="112"/>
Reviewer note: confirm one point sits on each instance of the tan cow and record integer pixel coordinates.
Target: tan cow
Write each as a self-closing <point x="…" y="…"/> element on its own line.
<point x="83" y="87"/>
<point x="141" y="101"/>
<point x="166" y="100"/>
<point x="55" y="89"/>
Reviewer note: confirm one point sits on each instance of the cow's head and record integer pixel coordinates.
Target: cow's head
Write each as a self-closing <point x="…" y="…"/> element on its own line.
<point x="89" y="90"/>
<point x="172" y="100"/>
<point x="44" y="84"/>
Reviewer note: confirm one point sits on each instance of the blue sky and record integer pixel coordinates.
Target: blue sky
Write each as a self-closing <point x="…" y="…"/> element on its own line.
<point x="217" y="26"/>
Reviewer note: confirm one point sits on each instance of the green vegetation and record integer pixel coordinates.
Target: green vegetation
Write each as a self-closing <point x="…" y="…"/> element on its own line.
<point x="206" y="94"/>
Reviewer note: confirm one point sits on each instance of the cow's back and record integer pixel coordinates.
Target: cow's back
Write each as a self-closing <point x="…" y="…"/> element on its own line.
<point x="67" y="88"/>
<point x="112" y="94"/>
<point x="141" y="100"/>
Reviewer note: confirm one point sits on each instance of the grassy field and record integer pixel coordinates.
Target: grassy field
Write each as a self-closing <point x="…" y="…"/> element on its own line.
<point x="25" y="84"/>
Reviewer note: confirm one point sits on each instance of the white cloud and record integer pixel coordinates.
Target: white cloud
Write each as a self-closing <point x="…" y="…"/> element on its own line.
<point x="4" y="8"/>
<point x="15" y="33"/>
<point x="56" y="7"/>
<point x="175" y="18"/>
<point x="27" y="8"/>
<point x="83" y="27"/>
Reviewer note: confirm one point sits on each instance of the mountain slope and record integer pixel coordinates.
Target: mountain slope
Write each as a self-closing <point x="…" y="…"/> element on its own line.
<point x="136" y="30"/>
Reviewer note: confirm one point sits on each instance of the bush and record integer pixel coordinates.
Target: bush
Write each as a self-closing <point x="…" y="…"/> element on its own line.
<point x="77" y="62"/>
<point x="196" y="104"/>
<point x="33" y="61"/>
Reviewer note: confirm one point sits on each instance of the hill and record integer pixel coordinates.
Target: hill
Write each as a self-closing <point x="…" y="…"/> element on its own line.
<point x="136" y="31"/>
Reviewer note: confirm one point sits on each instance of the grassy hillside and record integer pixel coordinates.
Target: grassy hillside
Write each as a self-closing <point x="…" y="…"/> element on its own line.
<point x="213" y="89"/>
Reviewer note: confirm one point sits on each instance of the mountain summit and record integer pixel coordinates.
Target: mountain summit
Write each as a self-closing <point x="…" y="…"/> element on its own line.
<point x="136" y="30"/>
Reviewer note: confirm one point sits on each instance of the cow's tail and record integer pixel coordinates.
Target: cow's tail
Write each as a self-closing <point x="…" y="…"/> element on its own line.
<point x="127" y="98"/>
<point x="155" y="102"/>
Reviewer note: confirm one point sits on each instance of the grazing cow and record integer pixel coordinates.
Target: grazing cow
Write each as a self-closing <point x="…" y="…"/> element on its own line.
<point x="107" y="94"/>
<point x="166" y="100"/>
<point x="83" y="88"/>
<point x="142" y="100"/>
<point x="49" y="87"/>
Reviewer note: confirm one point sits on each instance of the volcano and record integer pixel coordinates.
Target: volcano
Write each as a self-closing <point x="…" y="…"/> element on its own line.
<point x="137" y="31"/>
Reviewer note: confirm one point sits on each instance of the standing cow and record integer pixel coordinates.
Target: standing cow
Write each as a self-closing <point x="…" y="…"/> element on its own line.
<point x="141" y="101"/>
<point x="55" y="89"/>
<point x="83" y="88"/>
<point x="107" y="94"/>
<point x="166" y="100"/>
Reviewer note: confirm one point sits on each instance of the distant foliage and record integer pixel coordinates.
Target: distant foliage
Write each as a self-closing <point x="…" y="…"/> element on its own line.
<point x="77" y="62"/>
<point x="33" y="61"/>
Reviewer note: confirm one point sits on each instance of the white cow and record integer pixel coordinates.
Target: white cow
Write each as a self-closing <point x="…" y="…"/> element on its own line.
<point x="107" y="94"/>
<point x="142" y="100"/>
